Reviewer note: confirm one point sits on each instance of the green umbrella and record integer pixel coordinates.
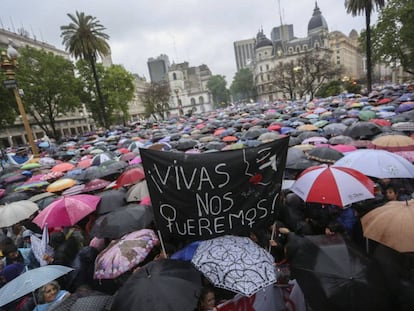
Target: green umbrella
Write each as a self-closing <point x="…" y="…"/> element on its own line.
<point x="30" y="166"/>
<point x="366" y="115"/>
<point x="321" y="123"/>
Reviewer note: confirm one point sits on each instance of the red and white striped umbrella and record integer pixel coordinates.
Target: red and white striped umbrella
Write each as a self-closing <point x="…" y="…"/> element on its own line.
<point x="333" y="185"/>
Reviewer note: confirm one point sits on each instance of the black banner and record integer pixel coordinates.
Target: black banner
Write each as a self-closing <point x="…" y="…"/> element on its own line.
<point x="201" y="196"/>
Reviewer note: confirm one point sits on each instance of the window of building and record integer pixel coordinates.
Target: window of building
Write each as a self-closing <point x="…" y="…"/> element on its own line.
<point x="267" y="66"/>
<point x="268" y="77"/>
<point x="201" y="100"/>
<point x="192" y="101"/>
<point x="261" y="69"/>
<point x="297" y="49"/>
<point x="174" y="76"/>
<point x="290" y="50"/>
<point x="338" y="62"/>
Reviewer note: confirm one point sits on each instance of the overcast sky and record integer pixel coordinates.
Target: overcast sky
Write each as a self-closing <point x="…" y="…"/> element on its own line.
<point x="197" y="31"/>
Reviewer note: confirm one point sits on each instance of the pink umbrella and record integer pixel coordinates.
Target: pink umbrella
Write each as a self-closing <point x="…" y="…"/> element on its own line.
<point x="333" y="185"/>
<point x="67" y="211"/>
<point x="124" y="254"/>
<point x="136" y="160"/>
<point x="343" y="148"/>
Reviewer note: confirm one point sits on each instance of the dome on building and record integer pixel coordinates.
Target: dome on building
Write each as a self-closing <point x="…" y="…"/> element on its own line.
<point x="317" y="21"/>
<point x="262" y="40"/>
<point x="354" y="34"/>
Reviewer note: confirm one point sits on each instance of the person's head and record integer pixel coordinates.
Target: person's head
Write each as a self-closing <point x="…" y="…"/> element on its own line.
<point x="391" y="193"/>
<point x="207" y="299"/>
<point x="11" y="271"/>
<point x="12" y="254"/>
<point x="47" y="293"/>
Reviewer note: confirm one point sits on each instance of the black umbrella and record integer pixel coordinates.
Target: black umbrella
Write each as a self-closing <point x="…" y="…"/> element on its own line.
<point x="324" y="155"/>
<point x="110" y="200"/>
<point x="296" y="160"/>
<point x="334" y="275"/>
<point x="124" y="220"/>
<point x="14" y="197"/>
<point x="162" y="285"/>
<point x="362" y="129"/>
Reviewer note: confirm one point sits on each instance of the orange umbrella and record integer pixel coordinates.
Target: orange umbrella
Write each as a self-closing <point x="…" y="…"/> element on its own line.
<point x="62" y="167"/>
<point x="219" y="131"/>
<point x="61" y="184"/>
<point x="229" y="139"/>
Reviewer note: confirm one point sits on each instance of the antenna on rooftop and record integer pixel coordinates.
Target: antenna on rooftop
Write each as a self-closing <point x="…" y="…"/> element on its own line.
<point x="280" y="13"/>
<point x="11" y="21"/>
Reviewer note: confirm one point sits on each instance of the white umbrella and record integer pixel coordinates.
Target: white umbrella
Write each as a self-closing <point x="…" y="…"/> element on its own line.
<point x="235" y="263"/>
<point x="29" y="281"/>
<point x="377" y="163"/>
<point x="15" y="212"/>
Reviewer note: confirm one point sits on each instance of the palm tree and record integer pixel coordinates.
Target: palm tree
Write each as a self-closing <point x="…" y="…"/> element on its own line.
<point x="84" y="38"/>
<point x="359" y="7"/>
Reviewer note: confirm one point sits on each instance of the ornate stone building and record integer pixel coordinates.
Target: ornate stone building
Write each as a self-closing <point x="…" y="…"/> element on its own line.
<point x="69" y="124"/>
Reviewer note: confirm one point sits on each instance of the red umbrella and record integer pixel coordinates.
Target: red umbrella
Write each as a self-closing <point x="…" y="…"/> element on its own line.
<point x="67" y="211"/>
<point x="333" y="185"/>
<point x="96" y="184"/>
<point x="84" y="163"/>
<point x="274" y="127"/>
<point x="228" y="139"/>
<point x="131" y="176"/>
<point x="384" y="101"/>
<point x="123" y="150"/>
<point x="381" y="122"/>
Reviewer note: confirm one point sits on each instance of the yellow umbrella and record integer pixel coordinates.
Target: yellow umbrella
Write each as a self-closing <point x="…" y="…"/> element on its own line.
<point x="307" y="127"/>
<point x="61" y="184"/>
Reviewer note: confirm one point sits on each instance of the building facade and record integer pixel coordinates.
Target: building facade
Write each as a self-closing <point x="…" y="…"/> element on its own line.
<point x="67" y="125"/>
<point x="244" y="53"/>
<point x="189" y="92"/>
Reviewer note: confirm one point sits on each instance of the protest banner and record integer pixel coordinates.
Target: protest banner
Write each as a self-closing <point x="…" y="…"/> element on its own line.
<point x="202" y="196"/>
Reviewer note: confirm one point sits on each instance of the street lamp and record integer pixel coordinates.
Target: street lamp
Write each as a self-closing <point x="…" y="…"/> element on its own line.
<point x="9" y="64"/>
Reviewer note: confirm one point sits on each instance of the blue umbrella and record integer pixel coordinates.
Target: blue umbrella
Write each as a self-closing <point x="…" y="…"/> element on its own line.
<point x="186" y="253"/>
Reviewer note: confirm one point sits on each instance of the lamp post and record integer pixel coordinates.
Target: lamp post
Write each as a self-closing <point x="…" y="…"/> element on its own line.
<point x="9" y="63"/>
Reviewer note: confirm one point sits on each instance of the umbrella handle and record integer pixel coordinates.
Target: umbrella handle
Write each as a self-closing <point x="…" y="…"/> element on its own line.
<point x="272" y="236"/>
<point x="162" y="243"/>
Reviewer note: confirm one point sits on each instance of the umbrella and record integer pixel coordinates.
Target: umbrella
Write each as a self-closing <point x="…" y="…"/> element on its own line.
<point x="315" y="140"/>
<point x="110" y="200"/>
<point x="30" y="166"/>
<point x="34" y="185"/>
<point x="161" y="285"/>
<point x="362" y="129"/>
<point x="84" y="163"/>
<point x="61" y="184"/>
<point x="124" y="254"/>
<point x="96" y="184"/>
<point x="47" y="161"/>
<point x="334" y="129"/>
<point x="67" y="211"/>
<point x="333" y="185"/>
<point x="391" y="225"/>
<point x="296" y="160"/>
<point x="324" y="155"/>
<point x="137" y="192"/>
<point x="129" y="156"/>
<point x="131" y="176"/>
<point x="101" y="158"/>
<point x="121" y="221"/>
<point x="340" y="140"/>
<point x="51" y="175"/>
<point x="77" y="189"/>
<point x="29" y="281"/>
<point x="15" y="196"/>
<point x="334" y="275"/>
<point x="15" y="212"/>
<point x="62" y="167"/>
<point x="235" y="263"/>
<point x="393" y="143"/>
<point x="381" y="164"/>
<point x="403" y="126"/>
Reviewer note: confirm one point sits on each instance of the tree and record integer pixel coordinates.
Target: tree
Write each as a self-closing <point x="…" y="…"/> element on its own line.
<point x="304" y="75"/>
<point x="118" y="89"/>
<point x="242" y="87"/>
<point x="49" y="85"/>
<point x="155" y="99"/>
<point x="331" y="88"/>
<point x="359" y="7"/>
<point x="393" y="36"/>
<point x="217" y="86"/>
<point x="8" y="107"/>
<point x="84" y="38"/>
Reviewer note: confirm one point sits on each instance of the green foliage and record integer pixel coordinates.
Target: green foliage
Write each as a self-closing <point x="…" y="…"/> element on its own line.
<point x="352" y="87"/>
<point x="217" y="86"/>
<point x="8" y="106"/>
<point x="331" y="88"/>
<point x="393" y="35"/>
<point x="156" y="98"/>
<point x="242" y="87"/>
<point x="50" y="87"/>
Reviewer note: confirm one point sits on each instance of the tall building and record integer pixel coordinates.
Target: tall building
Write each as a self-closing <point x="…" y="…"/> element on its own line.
<point x="244" y="53"/>
<point x="158" y="68"/>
